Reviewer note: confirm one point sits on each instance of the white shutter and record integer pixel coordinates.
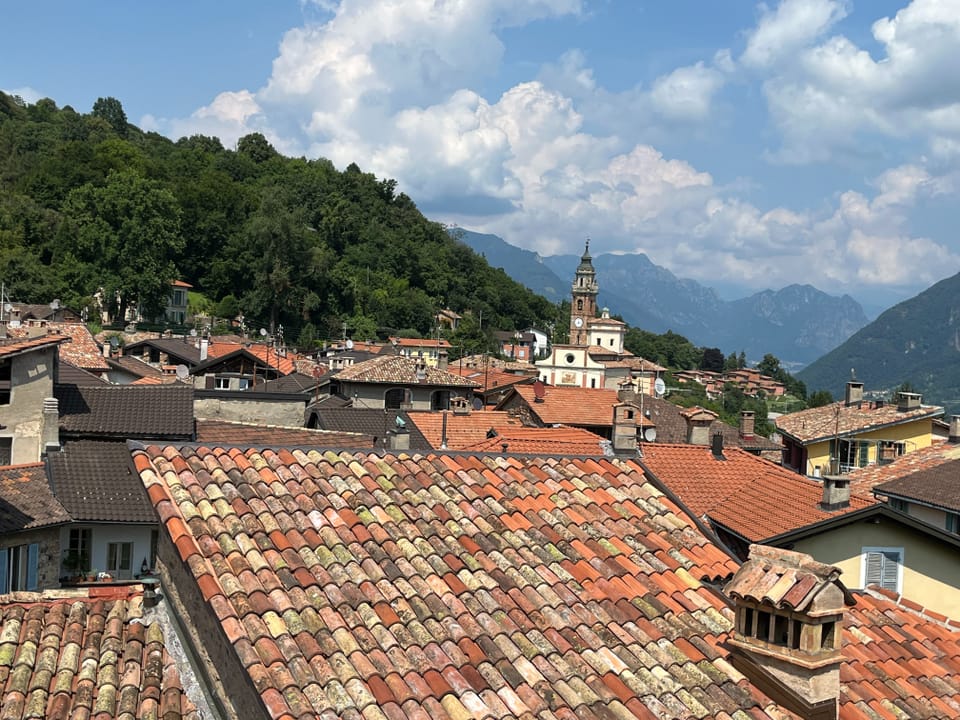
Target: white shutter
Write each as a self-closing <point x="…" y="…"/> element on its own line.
<point x="891" y="562"/>
<point x="873" y="569"/>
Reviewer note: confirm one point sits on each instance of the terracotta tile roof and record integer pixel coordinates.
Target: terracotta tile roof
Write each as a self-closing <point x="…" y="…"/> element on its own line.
<point x="560" y="440"/>
<point x="636" y="363"/>
<point x="453" y="587"/>
<point x="864" y="479"/>
<point x="368" y="421"/>
<point x="817" y="424"/>
<point x="94" y="483"/>
<point x="749" y="495"/>
<point x="19" y="345"/>
<point x="446" y="586"/>
<point x="491" y="378"/>
<point x="126" y="411"/>
<point x="86" y="657"/>
<point x="784" y="579"/>
<point x="238" y="433"/>
<point x="424" y="343"/>
<point x="284" y="364"/>
<point x="26" y="501"/>
<point x="589" y="407"/>
<point x="72" y="375"/>
<point x="154" y="380"/>
<point x="82" y="350"/>
<point x="933" y="486"/>
<point x="397" y="369"/>
<point x="462" y="430"/>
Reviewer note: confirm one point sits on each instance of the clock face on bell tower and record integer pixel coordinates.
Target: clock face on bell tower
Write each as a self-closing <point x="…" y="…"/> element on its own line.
<point x="583" y="304"/>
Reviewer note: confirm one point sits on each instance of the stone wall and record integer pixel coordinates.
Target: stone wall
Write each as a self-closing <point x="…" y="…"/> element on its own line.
<point x="225" y="677"/>
<point x="48" y="558"/>
<point x="273" y="411"/>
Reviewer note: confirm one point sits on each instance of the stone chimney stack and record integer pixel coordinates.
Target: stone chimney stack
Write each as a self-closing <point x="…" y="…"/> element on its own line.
<point x="698" y="421"/>
<point x="789" y="615"/>
<point x="954" y="429"/>
<point x="747" y="419"/>
<point x="853" y="393"/>
<point x="625" y="416"/>
<point x="907" y="401"/>
<point x="836" y="493"/>
<point x="50" y="433"/>
<point x="627" y="391"/>
<point x="399" y="439"/>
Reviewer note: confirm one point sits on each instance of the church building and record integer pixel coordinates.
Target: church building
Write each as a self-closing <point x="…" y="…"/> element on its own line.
<point x="595" y="356"/>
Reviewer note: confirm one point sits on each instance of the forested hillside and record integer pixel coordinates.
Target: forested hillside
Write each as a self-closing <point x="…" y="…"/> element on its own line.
<point x="88" y="203"/>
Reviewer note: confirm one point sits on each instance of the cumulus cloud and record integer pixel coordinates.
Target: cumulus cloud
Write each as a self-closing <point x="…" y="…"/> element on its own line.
<point x="835" y="92"/>
<point x="794" y="24"/>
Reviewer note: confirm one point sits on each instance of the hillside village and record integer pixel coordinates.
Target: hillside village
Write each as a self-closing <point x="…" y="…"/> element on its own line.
<point x="204" y="526"/>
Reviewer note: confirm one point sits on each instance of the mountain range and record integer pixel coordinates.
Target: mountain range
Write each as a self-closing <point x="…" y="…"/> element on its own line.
<point x="916" y="341"/>
<point x="798" y="323"/>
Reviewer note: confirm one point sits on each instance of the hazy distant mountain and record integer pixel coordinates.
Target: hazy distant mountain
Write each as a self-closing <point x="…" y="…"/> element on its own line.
<point x="917" y="341"/>
<point x="797" y="324"/>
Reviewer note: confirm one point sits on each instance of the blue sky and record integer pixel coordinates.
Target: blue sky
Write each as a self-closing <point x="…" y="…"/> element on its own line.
<point x="743" y="145"/>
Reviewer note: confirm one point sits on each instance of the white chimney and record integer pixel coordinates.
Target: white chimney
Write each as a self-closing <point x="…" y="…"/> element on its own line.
<point x="204" y="348"/>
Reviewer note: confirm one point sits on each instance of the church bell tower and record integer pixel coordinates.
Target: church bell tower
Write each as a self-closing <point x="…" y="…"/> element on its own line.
<point x="583" y="303"/>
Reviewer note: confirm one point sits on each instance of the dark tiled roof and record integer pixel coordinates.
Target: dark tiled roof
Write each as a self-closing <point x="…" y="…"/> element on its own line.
<point x="452" y="586"/>
<point x="749" y="495"/>
<point x="293" y="384"/>
<point x="26" y="501"/>
<point x="72" y="375"/>
<point x="369" y="421"/>
<point x="86" y="657"/>
<point x="127" y="411"/>
<point x="866" y="478"/>
<point x="133" y="365"/>
<point x="237" y="433"/>
<point x="459" y="586"/>
<point x="935" y="486"/>
<point x="179" y="349"/>
<point x="820" y="423"/>
<point x="397" y="369"/>
<point x="94" y="483"/>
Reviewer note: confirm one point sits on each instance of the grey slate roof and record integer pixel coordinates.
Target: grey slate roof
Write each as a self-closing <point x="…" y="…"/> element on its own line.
<point x="94" y="483"/>
<point x="121" y="412"/>
<point x="293" y="384"/>
<point x="26" y="501"/>
<point x="70" y="374"/>
<point x="369" y="421"/>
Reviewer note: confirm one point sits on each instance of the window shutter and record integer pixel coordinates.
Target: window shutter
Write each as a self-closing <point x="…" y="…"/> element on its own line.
<point x="951" y="522"/>
<point x="891" y="561"/>
<point x="4" y="579"/>
<point x="873" y="569"/>
<point x="864" y="454"/>
<point x="33" y="562"/>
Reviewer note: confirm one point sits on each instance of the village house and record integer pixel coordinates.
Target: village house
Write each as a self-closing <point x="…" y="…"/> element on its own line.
<point x="28" y="408"/>
<point x="854" y="432"/>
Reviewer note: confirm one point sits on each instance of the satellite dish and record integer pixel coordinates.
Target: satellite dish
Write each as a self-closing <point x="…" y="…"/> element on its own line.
<point x="660" y="387"/>
<point x="182" y="372"/>
<point x="193" y="332"/>
<point x="349" y="344"/>
<point x="477" y="403"/>
<point x="55" y="305"/>
<point x="263" y="332"/>
<point x="8" y="307"/>
<point x="114" y="342"/>
<point x="650" y="434"/>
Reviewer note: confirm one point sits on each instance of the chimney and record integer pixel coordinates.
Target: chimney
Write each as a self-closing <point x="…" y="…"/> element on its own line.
<point x="854" y="393"/>
<point x="443" y="433"/>
<point x="836" y="493"/>
<point x="399" y="439"/>
<point x="746" y="424"/>
<point x="907" y="401"/>
<point x="789" y="613"/>
<point x="106" y="350"/>
<point x="50" y="434"/>
<point x="204" y="348"/>
<point x="698" y="421"/>
<point x="442" y="359"/>
<point x="954" y="429"/>
<point x="716" y="446"/>
<point x="625" y="417"/>
<point x="627" y="391"/>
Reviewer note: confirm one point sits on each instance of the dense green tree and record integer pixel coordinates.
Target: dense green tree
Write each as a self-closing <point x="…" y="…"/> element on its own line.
<point x="128" y="231"/>
<point x="712" y="360"/>
<point x="111" y="110"/>
<point x="819" y="398"/>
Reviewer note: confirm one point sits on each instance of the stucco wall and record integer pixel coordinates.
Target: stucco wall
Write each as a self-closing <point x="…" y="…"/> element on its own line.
<point x="931" y="574"/>
<point x="915" y="435"/>
<point x="102" y="535"/>
<point x="31" y="380"/>
<point x="260" y="412"/>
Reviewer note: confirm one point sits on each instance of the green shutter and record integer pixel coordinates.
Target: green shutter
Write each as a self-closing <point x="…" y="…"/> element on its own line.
<point x="864" y="454"/>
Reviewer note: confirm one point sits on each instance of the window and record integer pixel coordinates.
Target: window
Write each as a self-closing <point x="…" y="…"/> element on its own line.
<point x="119" y="560"/>
<point x="18" y="567"/>
<point x="243" y="383"/>
<point x="580" y="302"/>
<point x="395" y="398"/>
<point x="850" y="453"/>
<point x="440" y="400"/>
<point x="899" y="504"/>
<point x="6" y="451"/>
<point x="883" y="567"/>
<point x="221" y="383"/>
<point x="6" y="376"/>
<point x="593" y="382"/>
<point x="953" y="523"/>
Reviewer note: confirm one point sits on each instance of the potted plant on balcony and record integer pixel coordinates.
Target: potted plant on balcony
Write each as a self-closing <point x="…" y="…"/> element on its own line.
<point x="75" y="563"/>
